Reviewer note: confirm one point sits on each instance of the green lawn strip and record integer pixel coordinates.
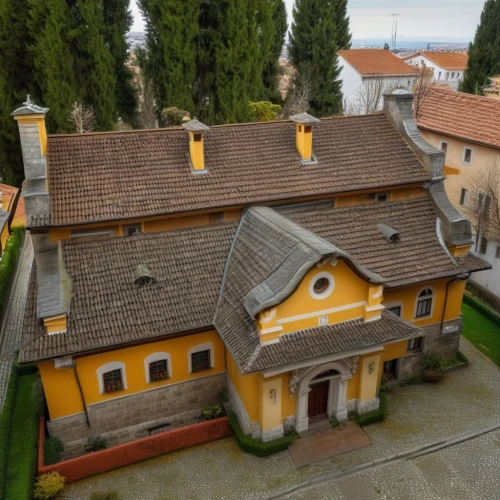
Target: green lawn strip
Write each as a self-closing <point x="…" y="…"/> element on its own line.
<point x="482" y="332"/>
<point x="22" y="454"/>
<point x="9" y="261"/>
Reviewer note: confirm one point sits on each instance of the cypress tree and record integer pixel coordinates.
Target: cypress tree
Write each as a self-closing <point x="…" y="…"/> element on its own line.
<point x="94" y="64"/>
<point x="313" y="52"/>
<point x="118" y="21"/>
<point x="50" y="23"/>
<point x="343" y="36"/>
<point x="16" y="81"/>
<point x="484" y="51"/>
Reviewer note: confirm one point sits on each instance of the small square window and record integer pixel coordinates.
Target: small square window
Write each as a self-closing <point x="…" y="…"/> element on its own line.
<point x="381" y="197"/>
<point x="467" y="157"/>
<point x="415" y="345"/>
<point x="396" y="310"/>
<point x="463" y="197"/>
<point x="158" y="370"/>
<point x="113" y="381"/>
<point x="497" y="253"/>
<point x="484" y="245"/>
<point x="443" y="146"/>
<point x="132" y="230"/>
<point x="200" y="361"/>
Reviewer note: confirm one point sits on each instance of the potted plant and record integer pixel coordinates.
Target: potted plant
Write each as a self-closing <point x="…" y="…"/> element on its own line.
<point x="432" y="367"/>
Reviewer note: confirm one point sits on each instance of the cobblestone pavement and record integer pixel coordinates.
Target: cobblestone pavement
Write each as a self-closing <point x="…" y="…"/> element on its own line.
<point x="467" y="400"/>
<point x="466" y="471"/>
<point x="10" y="335"/>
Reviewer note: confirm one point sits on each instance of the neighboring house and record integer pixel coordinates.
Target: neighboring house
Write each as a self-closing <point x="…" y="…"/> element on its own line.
<point x="368" y="74"/>
<point x="467" y="128"/>
<point x="493" y="89"/>
<point x="447" y="67"/>
<point x="10" y="213"/>
<point x="294" y="263"/>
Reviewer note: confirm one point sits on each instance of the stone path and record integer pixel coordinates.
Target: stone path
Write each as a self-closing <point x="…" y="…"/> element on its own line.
<point x="11" y="329"/>
<point x="465" y="401"/>
<point x="328" y="443"/>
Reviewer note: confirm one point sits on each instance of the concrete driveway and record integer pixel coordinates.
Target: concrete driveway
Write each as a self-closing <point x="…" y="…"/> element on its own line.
<point x="465" y="403"/>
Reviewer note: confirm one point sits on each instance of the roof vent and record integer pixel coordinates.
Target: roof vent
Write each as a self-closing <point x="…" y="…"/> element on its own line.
<point x="390" y="234"/>
<point x="303" y="136"/>
<point x="143" y="276"/>
<point x="196" y="130"/>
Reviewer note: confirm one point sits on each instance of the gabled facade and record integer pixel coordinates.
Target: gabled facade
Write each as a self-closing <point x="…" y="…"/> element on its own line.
<point x="467" y="128"/>
<point x="368" y="74"/>
<point x="292" y="263"/>
<point x="447" y="67"/>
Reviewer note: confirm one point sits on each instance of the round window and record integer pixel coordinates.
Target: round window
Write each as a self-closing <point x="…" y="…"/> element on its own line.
<point x="321" y="285"/>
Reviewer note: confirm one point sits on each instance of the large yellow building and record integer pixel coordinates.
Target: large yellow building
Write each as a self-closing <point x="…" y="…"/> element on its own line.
<point x="292" y="263"/>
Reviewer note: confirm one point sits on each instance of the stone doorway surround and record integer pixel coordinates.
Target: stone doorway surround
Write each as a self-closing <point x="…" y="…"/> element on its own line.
<point x="337" y="392"/>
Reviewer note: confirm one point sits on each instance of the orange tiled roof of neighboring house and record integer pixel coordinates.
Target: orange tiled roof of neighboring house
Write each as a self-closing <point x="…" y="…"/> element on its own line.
<point x="448" y="60"/>
<point x="9" y="194"/>
<point x="376" y="62"/>
<point x="20" y="214"/>
<point x="467" y="117"/>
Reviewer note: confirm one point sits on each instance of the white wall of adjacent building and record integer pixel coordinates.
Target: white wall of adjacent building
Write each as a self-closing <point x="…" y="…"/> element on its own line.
<point x="441" y="75"/>
<point x="488" y="279"/>
<point x="353" y="81"/>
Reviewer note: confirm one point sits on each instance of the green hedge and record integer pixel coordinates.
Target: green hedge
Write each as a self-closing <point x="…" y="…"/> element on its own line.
<point x="372" y="417"/>
<point x="52" y="450"/>
<point x="482" y="308"/>
<point x="254" y="447"/>
<point x="9" y="261"/>
<point x="22" y="454"/>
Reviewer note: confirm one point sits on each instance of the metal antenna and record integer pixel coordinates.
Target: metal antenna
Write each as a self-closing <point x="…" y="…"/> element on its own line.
<point x="394" y="33"/>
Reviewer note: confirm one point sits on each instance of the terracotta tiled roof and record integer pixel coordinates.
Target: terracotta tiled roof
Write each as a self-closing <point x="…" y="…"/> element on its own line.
<point x="376" y="62"/>
<point x="9" y="195"/>
<point x="467" y="117"/>
<point x="108" y="309"/>
<point x="114" y="176"/>
<point x="448" y="60"/>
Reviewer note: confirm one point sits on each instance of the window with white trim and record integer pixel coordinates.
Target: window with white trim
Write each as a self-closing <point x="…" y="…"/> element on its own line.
<point x="395" y="310"/>
<point x="464" y="195"/>
<point x="131" y="230"/>
<point x="467" y="156"/>
<point x="415" y="345"/>
<point x="424" y="303"/>
<point x="201" y="357"/>
<point x="111" y="377"/>
<point x="157" y="366"/>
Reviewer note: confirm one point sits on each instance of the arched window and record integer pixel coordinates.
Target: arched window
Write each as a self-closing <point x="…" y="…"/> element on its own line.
<point x="111" y="377"/>
<point x="424" y="303"/>
<point x="157" y="366"/>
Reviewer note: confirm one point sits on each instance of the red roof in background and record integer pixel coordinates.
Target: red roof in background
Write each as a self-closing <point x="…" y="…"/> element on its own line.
<point x="448" y="60"/>
<point x="376" y="62"/>
<point x="468" y="117"/>
<point x="9" y="194"/>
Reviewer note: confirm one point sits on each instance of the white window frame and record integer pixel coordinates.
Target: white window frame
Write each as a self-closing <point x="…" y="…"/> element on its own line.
<point x="441" y="146"/>
<point x="207" y="346"/>
<point x="108" y="367"/>
<point x="126" y="226"/>
<point x="392" y="305"/>
<point x="157" y="356"/>
<point x="465" y="198"/>
<point x="424" y="298"/>
<point x="328" y="291"/>
<point x="471" y="155"/>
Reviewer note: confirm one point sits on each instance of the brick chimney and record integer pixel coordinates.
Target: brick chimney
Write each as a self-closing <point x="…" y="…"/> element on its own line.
<point x="304" y="137"/>
<point x="31" y="121"/>
<point x="196" y="130"/>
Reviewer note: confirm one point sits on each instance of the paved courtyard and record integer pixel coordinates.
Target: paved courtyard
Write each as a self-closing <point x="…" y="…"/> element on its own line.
<point x="466" y="401"/>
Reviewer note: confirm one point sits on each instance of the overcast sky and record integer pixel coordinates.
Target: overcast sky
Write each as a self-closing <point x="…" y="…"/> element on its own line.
<point x="419" y="18"/>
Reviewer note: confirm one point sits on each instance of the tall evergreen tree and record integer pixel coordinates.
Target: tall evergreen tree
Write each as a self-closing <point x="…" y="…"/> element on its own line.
<point x="313" y="52"/>
<point x="51" y="23"/>
<point x="118" y="21"/>
<point x="16" y="81"/>
<point x="343" y="36"/>
<point x="484" y="51"/>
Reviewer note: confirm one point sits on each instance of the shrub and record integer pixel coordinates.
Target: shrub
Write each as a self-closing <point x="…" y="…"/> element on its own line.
<point x="9" y="261"/>
<point x="462" y="357"/>
<point x="334" y="421"/>
<point x="433" y="361"/>
<point x="482" y="308"/>
<point x="22" y="454"/>
<point x="372" y="417"/>
<point x="96" y="443"/>
<point x="48" y="485"/>
<point x="52" y="451"/>
<point x="38" y="397"/>
<point x="110" y="495"/>
<point x="212" y="411"/>
<point x="254" y="447"/>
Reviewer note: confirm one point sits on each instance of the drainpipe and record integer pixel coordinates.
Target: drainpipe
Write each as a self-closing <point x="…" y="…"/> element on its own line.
<point x="81" y="394"/>
<point x="456" y="279"/>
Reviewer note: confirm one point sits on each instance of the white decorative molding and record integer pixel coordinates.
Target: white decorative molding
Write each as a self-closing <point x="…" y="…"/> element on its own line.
<point x="328" y="291"/>
<point x="112" y="365"/>
<point x="273" y="329"/>
<point x="433" y="297"/>
<point x="268" y="316"/>
<point x="157" y="356"/>
<point x="207" y="346"/>
<point x="378" y="293"/>
<point x="323" y="312"/>
<point x="294" y="382"/>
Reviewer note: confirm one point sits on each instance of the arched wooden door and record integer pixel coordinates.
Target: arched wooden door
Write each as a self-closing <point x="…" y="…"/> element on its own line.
<point x="318" y="401"/>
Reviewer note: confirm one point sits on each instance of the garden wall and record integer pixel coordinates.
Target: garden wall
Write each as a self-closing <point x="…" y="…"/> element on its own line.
<point x="134" y="451"/>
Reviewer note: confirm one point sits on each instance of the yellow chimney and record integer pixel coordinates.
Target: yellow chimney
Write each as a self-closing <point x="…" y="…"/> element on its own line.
<point x="196" y="154"/>
<point x="304" y="137"/>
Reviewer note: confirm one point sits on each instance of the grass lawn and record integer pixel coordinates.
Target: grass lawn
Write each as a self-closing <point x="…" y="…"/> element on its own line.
<point x="483" y="333"/>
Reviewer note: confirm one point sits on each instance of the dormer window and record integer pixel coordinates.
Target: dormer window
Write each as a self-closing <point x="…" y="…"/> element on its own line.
<point x="321" y="285"/>
<point x="131" y="230"/>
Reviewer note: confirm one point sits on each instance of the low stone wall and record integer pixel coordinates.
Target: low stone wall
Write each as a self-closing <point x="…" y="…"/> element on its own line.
<point x="135" y="451"/>
<point x="444" y="341"/>
<point x="127" y="418"/>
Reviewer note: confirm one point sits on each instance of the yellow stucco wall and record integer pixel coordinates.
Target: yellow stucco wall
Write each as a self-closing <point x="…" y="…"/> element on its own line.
<point x="135" y="373"/>
<point x="5" y="236"/>
<point x="270" y="395"/>
<point x="369" y="377"/>
<point x="454" y="154"/>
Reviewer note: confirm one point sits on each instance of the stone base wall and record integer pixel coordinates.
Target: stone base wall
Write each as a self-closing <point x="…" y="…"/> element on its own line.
<point x="443" y="341"/>
<point x="410" y="365"/>
<point x="127" y="418"/>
